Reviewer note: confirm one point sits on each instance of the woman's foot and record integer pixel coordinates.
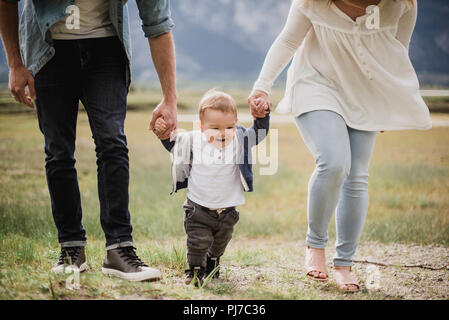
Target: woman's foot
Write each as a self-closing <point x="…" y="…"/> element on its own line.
<point x="315" y="264"/>
<point x="345" y="279"/>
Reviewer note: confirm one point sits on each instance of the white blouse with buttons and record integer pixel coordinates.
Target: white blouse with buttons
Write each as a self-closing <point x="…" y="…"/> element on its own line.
<point x="358" y="68"/>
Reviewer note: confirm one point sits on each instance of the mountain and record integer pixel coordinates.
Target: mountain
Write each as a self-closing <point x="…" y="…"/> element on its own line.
<point x="215" y="40"/>
<point x="226" y="41"/>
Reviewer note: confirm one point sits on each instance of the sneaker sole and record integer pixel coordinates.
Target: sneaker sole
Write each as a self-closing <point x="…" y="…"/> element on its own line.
<point x="133" y="276"/>
<point x="68" y="269"/>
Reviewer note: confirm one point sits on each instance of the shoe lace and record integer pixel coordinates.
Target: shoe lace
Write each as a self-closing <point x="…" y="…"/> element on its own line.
<point x="129" y="255"/>
<point x="69" y="255"/>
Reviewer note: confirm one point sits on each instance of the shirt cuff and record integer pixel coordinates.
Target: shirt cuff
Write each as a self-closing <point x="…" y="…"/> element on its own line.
<point x="262" y="86"/>
<point x="157" y="30"/>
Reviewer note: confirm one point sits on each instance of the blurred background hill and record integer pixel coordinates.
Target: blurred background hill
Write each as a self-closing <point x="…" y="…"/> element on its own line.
<point x="225" y="42"/>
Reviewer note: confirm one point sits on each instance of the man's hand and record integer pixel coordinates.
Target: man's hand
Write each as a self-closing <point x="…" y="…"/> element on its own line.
<point x="259" y="104"/>
<point x="167" y="111"/>
<point x="19" y="78"/>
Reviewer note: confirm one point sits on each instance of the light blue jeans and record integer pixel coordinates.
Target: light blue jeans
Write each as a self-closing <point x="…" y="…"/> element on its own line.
<point x="340" y="180"/>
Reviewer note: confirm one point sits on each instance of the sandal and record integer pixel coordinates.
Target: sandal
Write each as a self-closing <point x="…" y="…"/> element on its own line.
<point x="315" y="263"/>
<point x="345" y="280"/>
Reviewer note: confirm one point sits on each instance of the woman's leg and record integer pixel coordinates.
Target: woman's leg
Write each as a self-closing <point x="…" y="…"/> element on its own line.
<point x="326" y="135"/>
<point x="353" y="200"/>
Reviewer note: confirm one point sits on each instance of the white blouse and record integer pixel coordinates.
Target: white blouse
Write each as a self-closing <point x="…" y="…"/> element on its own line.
<point x="360" y="69"/>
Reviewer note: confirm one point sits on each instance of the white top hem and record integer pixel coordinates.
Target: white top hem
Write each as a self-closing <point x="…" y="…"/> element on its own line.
<point x="215" y="205"/>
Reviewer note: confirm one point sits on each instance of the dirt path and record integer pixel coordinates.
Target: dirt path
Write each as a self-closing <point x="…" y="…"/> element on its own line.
<point x="273" y="269"/>
<point x="390" y="282"/>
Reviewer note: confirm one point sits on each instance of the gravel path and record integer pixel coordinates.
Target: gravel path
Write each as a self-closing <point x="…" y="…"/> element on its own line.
<point x="377" y="282"/>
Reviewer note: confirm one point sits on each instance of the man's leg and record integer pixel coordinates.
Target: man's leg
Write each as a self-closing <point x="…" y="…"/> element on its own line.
<point x="57" y="95"/>
<point x="104" y="92"/>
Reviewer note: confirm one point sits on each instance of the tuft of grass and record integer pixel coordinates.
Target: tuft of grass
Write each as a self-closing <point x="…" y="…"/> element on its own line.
<point x="223" y="288"/>
<point x="173" y="257"/>
<point x="418" y="227"/>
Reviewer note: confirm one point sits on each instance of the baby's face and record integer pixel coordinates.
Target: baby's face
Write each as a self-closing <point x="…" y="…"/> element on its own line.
<point x="218" y="127"/>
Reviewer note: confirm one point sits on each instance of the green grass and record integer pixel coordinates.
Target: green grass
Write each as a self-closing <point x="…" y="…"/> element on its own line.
<point x="438" y="104"/>
<point x="148" y="99"/>
<point x="409" y="203"/>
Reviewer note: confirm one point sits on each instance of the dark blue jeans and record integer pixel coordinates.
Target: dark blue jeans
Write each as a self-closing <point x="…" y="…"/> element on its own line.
<point x="94" y="71"/>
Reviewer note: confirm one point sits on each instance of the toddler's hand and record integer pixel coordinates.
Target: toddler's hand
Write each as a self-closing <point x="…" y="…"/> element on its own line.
<point x="159" y="126"/>
<point x="261" y="104"/>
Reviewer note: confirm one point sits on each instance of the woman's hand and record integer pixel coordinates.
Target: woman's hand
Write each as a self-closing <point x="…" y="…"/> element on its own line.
<point x="259" y="104"/>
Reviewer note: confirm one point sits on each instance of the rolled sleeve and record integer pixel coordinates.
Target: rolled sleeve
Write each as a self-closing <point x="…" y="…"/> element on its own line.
<point x="156" y="17"/>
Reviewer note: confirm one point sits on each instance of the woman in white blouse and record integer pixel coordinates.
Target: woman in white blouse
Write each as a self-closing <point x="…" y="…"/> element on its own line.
<point x="350" y="77"/>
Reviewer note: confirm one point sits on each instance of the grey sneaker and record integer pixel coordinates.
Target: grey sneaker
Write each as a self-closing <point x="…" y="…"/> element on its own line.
<point x="124" y="263"/>
<point x="69" y="259"/>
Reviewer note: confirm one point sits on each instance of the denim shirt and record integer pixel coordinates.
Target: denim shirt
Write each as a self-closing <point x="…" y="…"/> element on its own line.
<point x="36" y="45"/>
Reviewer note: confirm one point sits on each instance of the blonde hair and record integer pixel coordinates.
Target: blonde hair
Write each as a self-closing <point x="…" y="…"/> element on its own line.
<point x="217" y="100"/>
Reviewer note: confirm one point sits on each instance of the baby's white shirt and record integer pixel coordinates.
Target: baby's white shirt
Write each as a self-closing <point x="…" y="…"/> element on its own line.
<point x="214" y="180"/>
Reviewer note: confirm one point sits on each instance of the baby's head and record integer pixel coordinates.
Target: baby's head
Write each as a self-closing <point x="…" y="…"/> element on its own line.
<point x="218" y="117"/>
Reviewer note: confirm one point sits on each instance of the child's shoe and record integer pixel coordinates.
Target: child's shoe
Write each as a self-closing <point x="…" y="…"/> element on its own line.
<point x="213" y="263"/>
<point x="195" y="274"/>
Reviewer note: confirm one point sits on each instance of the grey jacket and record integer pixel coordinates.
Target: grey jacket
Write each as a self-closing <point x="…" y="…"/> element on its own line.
<point x="181" y="153"/>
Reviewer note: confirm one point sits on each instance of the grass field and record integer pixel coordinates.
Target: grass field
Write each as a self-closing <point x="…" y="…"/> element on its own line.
<point x="409" y="206"/>
<point x="141" y="100"/>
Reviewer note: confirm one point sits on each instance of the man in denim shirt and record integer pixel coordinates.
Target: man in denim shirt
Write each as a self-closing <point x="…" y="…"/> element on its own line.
<point x="72" y="50"/>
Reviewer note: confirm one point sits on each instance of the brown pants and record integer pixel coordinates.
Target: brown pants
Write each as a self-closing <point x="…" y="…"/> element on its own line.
<point x="208" y="232"/>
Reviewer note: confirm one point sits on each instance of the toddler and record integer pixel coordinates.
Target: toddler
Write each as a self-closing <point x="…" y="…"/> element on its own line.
<point x="214" y="164"/>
